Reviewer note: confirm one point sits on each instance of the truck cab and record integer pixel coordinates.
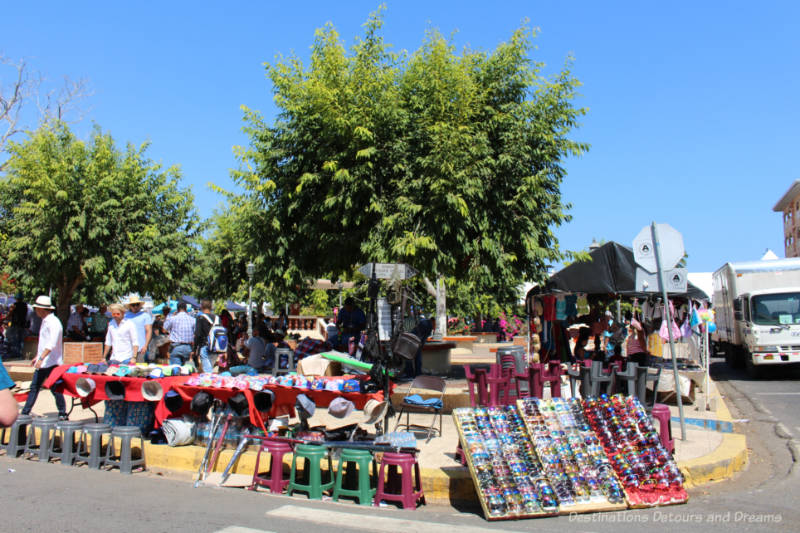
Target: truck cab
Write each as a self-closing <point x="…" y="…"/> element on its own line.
<point x="768" y="323"/>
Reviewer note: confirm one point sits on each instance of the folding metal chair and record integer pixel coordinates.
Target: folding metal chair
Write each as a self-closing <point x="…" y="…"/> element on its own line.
<point x="428" y="385"/>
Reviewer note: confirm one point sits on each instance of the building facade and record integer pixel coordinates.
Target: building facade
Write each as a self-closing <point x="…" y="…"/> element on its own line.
<point x="789" y="205"/>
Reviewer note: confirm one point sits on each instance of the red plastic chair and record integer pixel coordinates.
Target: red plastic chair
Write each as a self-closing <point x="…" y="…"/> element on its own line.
<point x="477" y="385"/>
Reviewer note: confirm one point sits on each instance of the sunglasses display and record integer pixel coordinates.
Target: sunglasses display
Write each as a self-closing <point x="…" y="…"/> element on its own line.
<point x="626" y="433"/>
<point x="566" y="455"/>
<point x="508" y="474"/>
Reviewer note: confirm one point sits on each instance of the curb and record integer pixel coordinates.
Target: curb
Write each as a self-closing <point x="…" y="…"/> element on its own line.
<point x="443" y="486"/>
<point x="731" y="456"/>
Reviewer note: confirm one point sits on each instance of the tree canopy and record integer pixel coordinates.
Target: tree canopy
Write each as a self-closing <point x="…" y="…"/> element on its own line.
<point x="88" y="218"/>
<point x="449" y="162"/>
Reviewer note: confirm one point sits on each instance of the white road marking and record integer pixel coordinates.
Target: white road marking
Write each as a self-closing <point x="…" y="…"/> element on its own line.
<point x="348" y="521"/>
<point x="238" y="529"/>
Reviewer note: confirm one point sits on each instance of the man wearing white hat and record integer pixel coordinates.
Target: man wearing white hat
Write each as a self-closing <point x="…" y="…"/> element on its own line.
<point x="143" y="322"/>
<point x="48" y="355"/>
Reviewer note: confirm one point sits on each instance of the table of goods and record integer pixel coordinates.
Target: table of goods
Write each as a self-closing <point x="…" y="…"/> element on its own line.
<point x="563" y="456"/>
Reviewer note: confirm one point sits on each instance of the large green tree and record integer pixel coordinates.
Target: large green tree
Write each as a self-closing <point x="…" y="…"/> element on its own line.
<point x="89" y="217"/>
<point x="451" y="162"/>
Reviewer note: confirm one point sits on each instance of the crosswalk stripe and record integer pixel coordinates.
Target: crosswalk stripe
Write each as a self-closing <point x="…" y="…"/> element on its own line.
<point x="372" y="522"/>
<point x="239" y="529"/>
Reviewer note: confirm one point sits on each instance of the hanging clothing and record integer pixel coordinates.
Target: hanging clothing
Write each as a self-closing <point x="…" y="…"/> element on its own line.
<point x="561" y="308"/>
<point x="571" y="303"/>
<point x="549" y="307"/>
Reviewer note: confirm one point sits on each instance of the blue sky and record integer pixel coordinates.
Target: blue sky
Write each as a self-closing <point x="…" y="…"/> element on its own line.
<point x="692" y="106"/>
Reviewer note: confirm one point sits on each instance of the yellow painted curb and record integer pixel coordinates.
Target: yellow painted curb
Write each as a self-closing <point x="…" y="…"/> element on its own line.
<point x="729" y="458"/>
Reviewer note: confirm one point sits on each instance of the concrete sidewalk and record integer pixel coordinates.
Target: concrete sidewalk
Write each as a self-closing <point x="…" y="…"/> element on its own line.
<point x="712" y="451"/>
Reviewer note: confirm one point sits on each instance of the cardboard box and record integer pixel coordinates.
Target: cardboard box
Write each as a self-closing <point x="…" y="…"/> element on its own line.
<point x="76" y="353"/>
<point x="316" y="365"/>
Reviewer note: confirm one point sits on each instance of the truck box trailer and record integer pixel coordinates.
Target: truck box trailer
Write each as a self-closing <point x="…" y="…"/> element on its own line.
<point x="757" y="307"/>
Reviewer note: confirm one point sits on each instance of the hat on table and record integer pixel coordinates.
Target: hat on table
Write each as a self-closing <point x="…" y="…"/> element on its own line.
<point x="341" y="407"/>
<point x="115" y="390"/>
<point x="152" y="391"/>
<point x="173" y="401"/>
<point x="374" y="411"/>
<point x="85" y="386"/>
<point x="201" y="403"/>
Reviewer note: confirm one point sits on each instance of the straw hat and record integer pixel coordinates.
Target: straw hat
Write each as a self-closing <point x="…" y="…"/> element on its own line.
<point x="373" y="412"/>
<point x="134" y="300"/>
<point x="43" y="302"/>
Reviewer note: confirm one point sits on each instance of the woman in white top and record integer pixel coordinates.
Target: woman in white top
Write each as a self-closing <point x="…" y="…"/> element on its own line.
<point x="121" y="338"/>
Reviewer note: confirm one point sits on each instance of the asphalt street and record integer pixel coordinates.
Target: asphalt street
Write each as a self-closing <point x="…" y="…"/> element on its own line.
<point x="51" y="497"/>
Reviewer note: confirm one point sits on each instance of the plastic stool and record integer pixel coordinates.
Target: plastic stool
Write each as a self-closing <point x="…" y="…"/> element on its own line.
<point x="312" y="469"/>
<point x="409" y="494"/>
<point x="18" y="435"/>
<point x="347" y="463"/>
<point x="47" y="433"/>
<point x="272" y="478"/>
<point x="661" y="413"/>
<point x="92" y="451"/>
<point x="461" y="457"/>
<point x="67" y="431"/>
<point x="125" y="460"/>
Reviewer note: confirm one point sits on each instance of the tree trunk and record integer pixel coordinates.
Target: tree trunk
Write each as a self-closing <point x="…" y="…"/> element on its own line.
<point x="65" y="292"/>
<point x="441" y="309"/>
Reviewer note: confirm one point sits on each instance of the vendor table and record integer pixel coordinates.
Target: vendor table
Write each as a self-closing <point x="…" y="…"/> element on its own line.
<point x="283" y="404"/>
<point x="65" y="383"/>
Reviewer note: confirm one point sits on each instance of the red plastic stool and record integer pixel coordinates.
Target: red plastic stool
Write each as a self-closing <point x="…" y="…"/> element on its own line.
<point x="461" y="457"/>
<point x="408" y="495"/>
<point x="661" y="413"/>
<point x="272" y="478"/>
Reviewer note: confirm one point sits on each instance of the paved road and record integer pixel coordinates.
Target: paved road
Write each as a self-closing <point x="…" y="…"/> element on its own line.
<point x="46" y="498"/>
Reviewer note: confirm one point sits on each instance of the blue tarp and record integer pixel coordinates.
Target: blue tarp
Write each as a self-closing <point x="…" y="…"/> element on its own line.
<point x="233" y="306"/>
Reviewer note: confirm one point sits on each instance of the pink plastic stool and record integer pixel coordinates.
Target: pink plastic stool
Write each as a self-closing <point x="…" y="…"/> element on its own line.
<point x="461" y="457"/>
<point x="408" y="494"/>
<point x="661" y="413"/>
<point x="272" y="478"/>
<point x="547" y="373"/>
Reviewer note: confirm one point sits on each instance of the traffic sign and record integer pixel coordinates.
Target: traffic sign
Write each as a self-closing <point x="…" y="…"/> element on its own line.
<point x="672" y="251"/>
<point x="388" y="270"/>
<point x="676" y="279"/>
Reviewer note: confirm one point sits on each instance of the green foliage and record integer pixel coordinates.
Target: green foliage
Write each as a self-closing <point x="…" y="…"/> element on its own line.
<point x="88" y="217"/>
<point x="449" y="162"/>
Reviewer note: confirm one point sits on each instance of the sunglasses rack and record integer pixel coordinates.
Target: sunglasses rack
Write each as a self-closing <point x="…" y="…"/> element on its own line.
<point x="503" y="464"/>
<point x="646" y="469"/>
<point x="573" y="459"/>
<point x="566" y="456"/>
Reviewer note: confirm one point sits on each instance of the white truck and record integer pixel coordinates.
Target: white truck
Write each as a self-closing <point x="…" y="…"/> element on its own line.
<point x="757" y="307"/>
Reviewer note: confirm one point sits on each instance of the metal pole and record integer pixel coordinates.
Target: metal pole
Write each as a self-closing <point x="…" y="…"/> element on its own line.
<point x="707" y="354"/>
<point x="250" y="308"/>
<point x="669" y="319"/>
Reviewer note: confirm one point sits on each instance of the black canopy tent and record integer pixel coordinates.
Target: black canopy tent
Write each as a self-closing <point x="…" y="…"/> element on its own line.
<point x="612" y="271"/>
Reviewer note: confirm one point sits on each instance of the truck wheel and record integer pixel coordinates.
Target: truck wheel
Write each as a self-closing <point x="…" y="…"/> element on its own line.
<point x="734" y="355"/>
<point x="754" y="371"/>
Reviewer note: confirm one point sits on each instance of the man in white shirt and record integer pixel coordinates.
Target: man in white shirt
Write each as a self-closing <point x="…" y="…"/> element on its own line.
<point x="121" y="338"/>
<point x="142" y="321"/>
<point x="48" y="355"/>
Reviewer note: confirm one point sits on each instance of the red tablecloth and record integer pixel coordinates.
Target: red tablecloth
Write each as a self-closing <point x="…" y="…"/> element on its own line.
<point x="283" y="404"/>
<point x="59" y="380"/>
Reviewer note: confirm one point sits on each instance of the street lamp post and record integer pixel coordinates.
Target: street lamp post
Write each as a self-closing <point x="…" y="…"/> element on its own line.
<point x="340" y="285"/>
<point x="251" y="268"/>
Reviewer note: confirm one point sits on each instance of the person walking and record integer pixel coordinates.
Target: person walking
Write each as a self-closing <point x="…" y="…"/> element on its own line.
<point x="202" y="327"/>
<point x="49" y="355"/>
<point x="17" y="320"/>
<point x="180" y="328"/>
<point x="143" y="322"/>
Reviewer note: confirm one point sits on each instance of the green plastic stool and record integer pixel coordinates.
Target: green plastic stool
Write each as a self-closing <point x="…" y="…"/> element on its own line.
<point x="363" y="491"/>
<point x="312" y="469"/>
